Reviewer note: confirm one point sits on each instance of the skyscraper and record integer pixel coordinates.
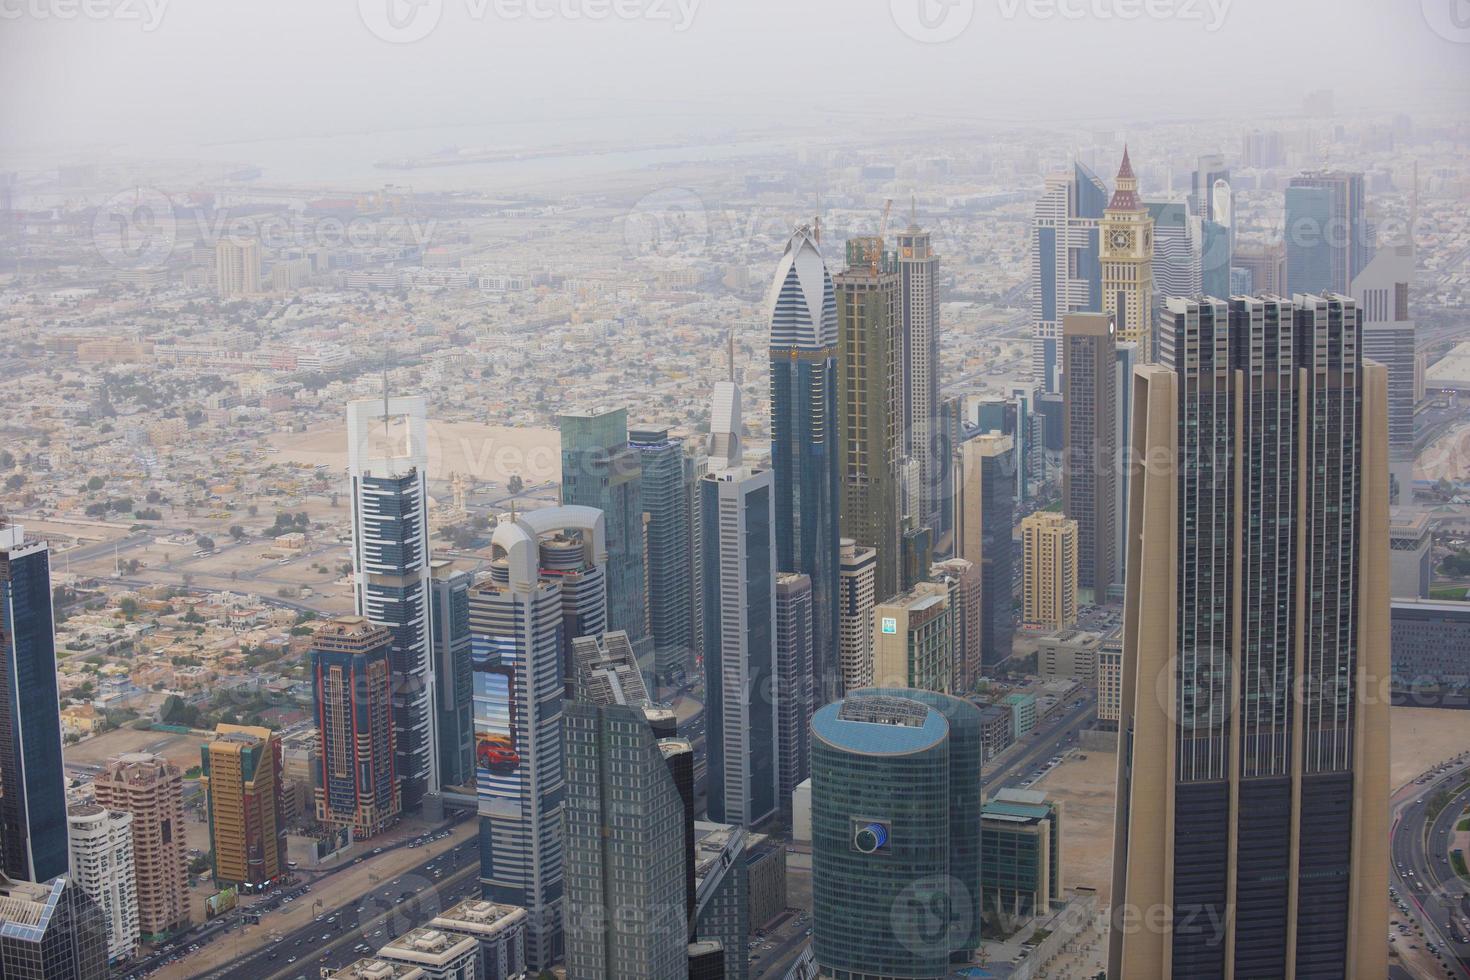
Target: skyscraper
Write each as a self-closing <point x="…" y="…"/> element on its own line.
<point x="1382" y="294"/>
<point x="963" y="580"/>
<point x="240" y="779"/>
<point x="1252" y="785"/>
<point x="664" y="496"/>
<point x="102" y="866"/>
<point x="628" y="855"/>
<point x="32" y="780"/>
<point x="914" y="639"/>
<point x="600" y="469"/>
<point x="857" y="593"/>
<point x="1066" y="268"/>
<point x="793" y="688"/>
<point x="1049" y="576"/>
<point x="1127" y="243"/>
<point x="805" y="438"/>
<point x="869" y="400"/>
<point x="921" y="427"/>
<point x="984" y="519"/>
<point x="352" y="682"/>
<point x="739" y="567"/>
<point x="151" y="789"/>
<point x="1090" y="449"/>
<point x="51" y="931"/>
<point x="567" y="560"/>
<point x="895" y="833"/>
<point x="387" y="463"/>
<point x="449" y="612"/>
<point x="237" y="268"/>
<point x="1328" y="238"/>
<point x="519" y="687"/>
<point x="1126" y="356"/>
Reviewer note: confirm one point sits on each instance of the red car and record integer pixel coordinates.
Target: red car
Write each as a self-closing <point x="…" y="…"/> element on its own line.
<point x="497" y="755"/>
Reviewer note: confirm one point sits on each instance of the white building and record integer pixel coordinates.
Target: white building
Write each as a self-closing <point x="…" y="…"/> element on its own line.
<point x="441" y="955"/>
<point x="102" y="865"/>
<point x="856" y="594"/>
<point x="500" y="931"/>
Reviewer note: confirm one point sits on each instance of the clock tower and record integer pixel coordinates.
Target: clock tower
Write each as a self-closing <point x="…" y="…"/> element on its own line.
<point x="1127" y="239"/>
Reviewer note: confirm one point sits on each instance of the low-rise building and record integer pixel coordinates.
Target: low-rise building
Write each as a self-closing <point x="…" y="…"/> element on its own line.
<point x="1020" y="857"/>
<point x="1023" y="712"/>
<point x="500" y="931"/>
<point x="1070" y="653"/>
<point x="440" y="955"/>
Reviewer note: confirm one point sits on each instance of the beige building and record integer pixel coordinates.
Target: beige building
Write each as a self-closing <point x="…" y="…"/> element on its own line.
<point x="236" y="268"/>
<point x="152" y="790"/>
<point x="1049" y="575"/>
<point x="1109" y="681"/>
<point x="913" y="639"/>
<point x="440" y="955"/>
<point x="857" y="588"/>
<point x="241" y="783"/>
<point x="1126" y="237"/>
<point x="1069" y="655"/>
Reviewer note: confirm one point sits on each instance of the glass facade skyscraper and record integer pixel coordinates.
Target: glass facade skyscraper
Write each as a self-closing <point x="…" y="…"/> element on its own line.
<point x="1255" y="634"/>
<point x="32" y="780"/>
<point x="1328" y="238"/>
<point x="664" y="494"/>
<point x="805" y="439"/>
<point x="450" y="614"/>
<point x="1066" y="264"/>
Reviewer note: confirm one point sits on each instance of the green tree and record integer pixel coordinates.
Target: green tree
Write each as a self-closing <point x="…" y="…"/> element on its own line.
<point x="95" y="483"/>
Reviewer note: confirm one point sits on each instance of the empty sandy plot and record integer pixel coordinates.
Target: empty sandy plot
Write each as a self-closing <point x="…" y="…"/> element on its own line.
<point x="485" y="453"/>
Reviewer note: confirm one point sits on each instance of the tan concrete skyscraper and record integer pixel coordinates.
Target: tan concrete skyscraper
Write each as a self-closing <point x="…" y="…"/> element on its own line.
<point x="1253" y="778"/>
<point x="237" y="268"/>
<point x="152" y="790"/>
<point x="241" y="782"/>
<point x="1049" y="578"/>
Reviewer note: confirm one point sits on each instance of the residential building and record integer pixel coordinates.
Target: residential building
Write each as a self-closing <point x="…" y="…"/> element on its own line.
<point x="237" y="268"/>
<point x="387" y="464"/>
<point x="352" y="684"/>
<point x="921" y="431"/>
<point x="102" y="867"/>
<point x="500" y="931"/>
<point x="151" y="789"/>
<point x="870" y="366"/>
<point x="1049" y="578"/>
<point x="1066" y="265"/>
<point x="1254" y="788"/>
<point x="857" y="583"/>
<point x="1022" y="706"/>
<point x="1090" y="451"/>
<point x="240" y="779"/>
<point x="962" y="578"/>
<point x="997" y="729"/>
<point x="984" y="519"/>
<point x="32" y="778"/>
<point x="914" y="639"/>
<point x="739" y="568"/>
<point x="793" y="688"/>
<point x="1110" y="681"/>
<point x="806" y="453"/>
<point x="1265" y="265"/>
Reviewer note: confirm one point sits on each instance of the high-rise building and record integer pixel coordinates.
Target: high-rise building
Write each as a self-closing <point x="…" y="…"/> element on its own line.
<point x="806" y="447"/>
<point x="1253" y="786"/>
<point x="51" y="931"/>
<point x="1090" y="450"/>
<point x="152" y="789"/>
<point x="352" y="683"/>
<point x="500" y="931"/>
<point x="387" y="463"/>
<point x="237" y="268"/>
<point x="722" y="913"/>
<point x="1110" y="681"/>
<point x="664" y="496"/>
<point x="1127" y="243"/>
<point x="921" y="432"/>
<point x="914" y="639"/>
<point x="1382" y="293"/>
<point x="739" y="567"/>
<point x="519" y="687"/>
<point x="600" y="469"/>
<point x="240" y="779"/>
<point x="102" y="866"/>
<point x="1266" y="266"/>
<point x="1126" y="356"/>
<point x="32" y="780"/>
<point x="1049" y="573"/>
<point x="1328" y="238"/>
<point x="793" y="688"/>
<point x="870" y="406"/>
<point x="895" y="833"/>
<point x="449" y="614"/>
<point x="857" y="593"/>
<point x="627" y="898"/>
<point x="567" y="560"/>
<point x="984" y="519"/>
<point x="1066" y="265"/>
<point x="964" y="582"/>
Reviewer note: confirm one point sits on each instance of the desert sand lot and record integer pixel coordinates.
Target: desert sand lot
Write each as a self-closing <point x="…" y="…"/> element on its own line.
<point x="485" y="453"/>
<point x="181" y="750"/>
<point x="1085" y="787"/>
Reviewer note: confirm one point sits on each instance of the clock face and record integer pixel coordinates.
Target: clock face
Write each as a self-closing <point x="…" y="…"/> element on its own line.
<point x="1121" y="239"/>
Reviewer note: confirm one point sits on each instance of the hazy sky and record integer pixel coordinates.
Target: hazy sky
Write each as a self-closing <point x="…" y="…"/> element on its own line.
<point x="138" y="74"/>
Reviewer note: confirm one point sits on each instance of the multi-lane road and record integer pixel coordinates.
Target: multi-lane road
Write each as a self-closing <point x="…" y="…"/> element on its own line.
<point x="1423" y="879"/>
<point x="1049" y="738"/>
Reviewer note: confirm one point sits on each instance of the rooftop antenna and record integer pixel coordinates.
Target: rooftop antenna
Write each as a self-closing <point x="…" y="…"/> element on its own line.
<point x="817" y="221"/>
<point x="730" y="352"/>
<point x="913" y="208"/>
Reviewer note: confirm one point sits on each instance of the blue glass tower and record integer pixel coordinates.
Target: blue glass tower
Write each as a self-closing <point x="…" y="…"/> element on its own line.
<point x="33" y="806"/>
<point x="664" y="495"/>
<point x="804" y="439"/>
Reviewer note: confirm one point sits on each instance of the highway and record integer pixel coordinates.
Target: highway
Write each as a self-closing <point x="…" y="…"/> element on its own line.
<point x="1050" y="737"/>
<point x="1421" y="874"/>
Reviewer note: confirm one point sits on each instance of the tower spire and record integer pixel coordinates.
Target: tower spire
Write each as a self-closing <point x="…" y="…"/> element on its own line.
<point x="730" y="353"/>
